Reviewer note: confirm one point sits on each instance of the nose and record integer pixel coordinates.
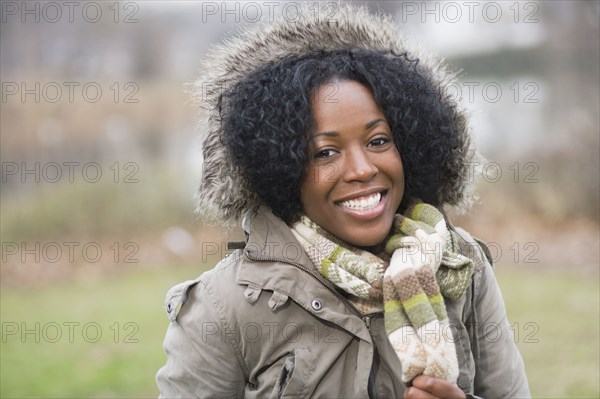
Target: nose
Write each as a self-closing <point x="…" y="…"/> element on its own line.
<point x="358" y="166"/>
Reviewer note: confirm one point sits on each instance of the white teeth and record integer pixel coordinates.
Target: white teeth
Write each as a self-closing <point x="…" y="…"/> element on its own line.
<point x="363" y="203"/>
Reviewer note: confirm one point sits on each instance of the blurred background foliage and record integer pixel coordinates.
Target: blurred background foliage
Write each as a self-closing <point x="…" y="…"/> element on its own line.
<point x="540" y="214"/>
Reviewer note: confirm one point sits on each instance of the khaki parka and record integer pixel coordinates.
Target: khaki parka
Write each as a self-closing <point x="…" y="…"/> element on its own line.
<point x="265" y="324"/>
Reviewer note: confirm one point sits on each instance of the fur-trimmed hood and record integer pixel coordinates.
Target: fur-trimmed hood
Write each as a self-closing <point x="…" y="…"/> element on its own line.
<point x="224" y="195"/>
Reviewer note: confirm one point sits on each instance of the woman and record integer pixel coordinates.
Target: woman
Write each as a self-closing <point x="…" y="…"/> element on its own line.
<point x="339" y="149"/>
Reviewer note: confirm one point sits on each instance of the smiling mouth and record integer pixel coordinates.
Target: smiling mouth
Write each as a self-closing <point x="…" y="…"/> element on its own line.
<point x="365" y="203"/>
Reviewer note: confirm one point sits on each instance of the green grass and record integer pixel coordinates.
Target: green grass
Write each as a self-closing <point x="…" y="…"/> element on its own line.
<point x="561" y="355"/>
<point x="555" y="316"/>
<point x="84" y="368"/>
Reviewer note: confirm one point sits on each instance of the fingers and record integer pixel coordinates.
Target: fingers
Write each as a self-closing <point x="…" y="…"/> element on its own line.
<point x="436" y="387"/>
<point x="428" y="247"/>
<point x="416" y="393"/>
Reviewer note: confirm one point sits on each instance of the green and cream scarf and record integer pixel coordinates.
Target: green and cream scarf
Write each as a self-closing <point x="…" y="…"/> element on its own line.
<point x="424" y="266"/>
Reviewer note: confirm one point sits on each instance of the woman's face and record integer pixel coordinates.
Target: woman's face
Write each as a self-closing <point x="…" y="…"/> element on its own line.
<point x="355" y="179"/>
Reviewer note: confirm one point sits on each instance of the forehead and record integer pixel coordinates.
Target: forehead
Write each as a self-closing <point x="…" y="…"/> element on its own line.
<point x="343" y="103"/>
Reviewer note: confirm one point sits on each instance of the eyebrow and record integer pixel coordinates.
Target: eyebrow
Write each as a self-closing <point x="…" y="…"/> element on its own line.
<point x="368" y="126"/>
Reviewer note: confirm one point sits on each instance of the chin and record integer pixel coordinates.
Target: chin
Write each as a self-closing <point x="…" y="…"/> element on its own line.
<point x="364" y="241"/>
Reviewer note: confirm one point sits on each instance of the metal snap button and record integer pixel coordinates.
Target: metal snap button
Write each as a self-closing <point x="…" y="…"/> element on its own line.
<point x="316" y="304"/>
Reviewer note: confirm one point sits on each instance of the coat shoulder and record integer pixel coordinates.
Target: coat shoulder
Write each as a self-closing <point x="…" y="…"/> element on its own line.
<point x="474" y="248"/>
<point x="219" y="280"/>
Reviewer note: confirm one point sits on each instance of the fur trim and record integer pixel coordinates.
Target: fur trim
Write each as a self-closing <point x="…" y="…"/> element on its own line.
<point x="223" y="195"/>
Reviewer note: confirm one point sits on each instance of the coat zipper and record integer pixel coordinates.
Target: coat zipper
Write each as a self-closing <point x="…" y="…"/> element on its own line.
<point x="365" y="318"/>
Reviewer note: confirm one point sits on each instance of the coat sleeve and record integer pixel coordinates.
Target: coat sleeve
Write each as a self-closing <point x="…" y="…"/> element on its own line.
<point x="500" y="372"/>
<point x="201" y="358"/>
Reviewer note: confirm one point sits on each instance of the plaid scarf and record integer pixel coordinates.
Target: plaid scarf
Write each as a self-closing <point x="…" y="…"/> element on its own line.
<point x="424" y="267"/>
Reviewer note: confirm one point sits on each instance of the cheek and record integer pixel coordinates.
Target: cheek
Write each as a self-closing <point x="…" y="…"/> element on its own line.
<point x="315" y="191"/>
<point x="318" y="180"/>
<point x="322" y="176"/>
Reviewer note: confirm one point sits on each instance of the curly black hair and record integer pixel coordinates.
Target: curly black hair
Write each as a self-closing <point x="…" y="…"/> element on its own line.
<point x="267" y="118"/>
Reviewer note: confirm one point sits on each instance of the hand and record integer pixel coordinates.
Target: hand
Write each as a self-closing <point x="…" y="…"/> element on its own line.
<point x="426" y="387"/>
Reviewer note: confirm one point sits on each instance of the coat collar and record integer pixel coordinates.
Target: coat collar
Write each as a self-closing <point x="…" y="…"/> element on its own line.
<point x="269" y="238"/>
<point x="273" y="258"/>
<point x="275" y="261"/>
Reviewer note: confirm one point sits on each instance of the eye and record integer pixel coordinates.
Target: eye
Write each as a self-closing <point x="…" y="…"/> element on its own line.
<point x="324" y="153"/>
<point x="379" y="141"/>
